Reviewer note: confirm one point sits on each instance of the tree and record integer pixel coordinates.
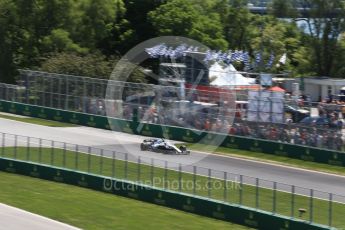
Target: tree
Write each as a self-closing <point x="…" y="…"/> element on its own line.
<point x="93" y="65"/>
<point x="31" y="30"/>
<point x="325" y="23"/>
<point x="262" y="34"/>
<point x="236" y="27"/>
<point x="122" y="36"/>
<point x="339" y="68"/>
<point x="194" y="19"/>
<point x="58" y="41"/>
<point x="136" y="14"/>
<point x="37" y="19"/>
<point x="97" y="21"/>
<point x="282" y="9"/>
<point x="23" y="25"/>
<point x="276" y="37"/>
<point x="7" y="40"/>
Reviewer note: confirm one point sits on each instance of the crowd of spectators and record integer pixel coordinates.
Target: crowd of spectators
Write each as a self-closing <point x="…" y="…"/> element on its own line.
<point x="327" y="136"/>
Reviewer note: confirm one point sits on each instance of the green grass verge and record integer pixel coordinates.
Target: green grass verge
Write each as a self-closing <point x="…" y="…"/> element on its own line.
<point x="270" y="158"/>
<point x="37" y="121"/>
<point x="89" y="209"/>
<point x="162" y="178"/>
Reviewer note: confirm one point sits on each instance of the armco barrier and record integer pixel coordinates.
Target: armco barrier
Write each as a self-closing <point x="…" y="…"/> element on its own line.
<point x="198" y="205"/>
<point x="177" y="133"/>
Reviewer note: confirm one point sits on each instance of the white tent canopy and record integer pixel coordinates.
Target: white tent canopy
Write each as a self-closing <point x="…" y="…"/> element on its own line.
<point x="227" y="76"/>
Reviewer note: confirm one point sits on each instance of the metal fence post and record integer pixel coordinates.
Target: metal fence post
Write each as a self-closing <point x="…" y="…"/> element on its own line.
<point x="330" y="209"/>
<point x="194" y="179"/>
<point x="274" y="197"/>
<point x="43" y="101"/>
<point x="51" y="94"/>
<point x="66" y="95"/>
<point x="113" y="164"/>
<point x="257" y="193"/>
<point x="311" y="205"/>
<point x="88" y="159"/>
<point x="52" y="153"/>
<point x="101" y="162"/>
<point x="64" y="155"/>
<point x="293" y="201"/>
<point x="15" y="146"/>
<point x="241" y="190"/>
<point x="165" y="174"/>
<point x="84" y="95"/>
<point x="179" y="177"/>
<point x="209" y="183"/>
<point x="76" y="156"/>
<point x="225" y="185"/>
<point x="3" y="145"/>
<point x="40" y="151"/>
<point x="59" y="94"/>
<point x="152" y="171"/>
<point x="28" y="148"/>
<point x="139" y="169"/>
<point x="126" y="165"/>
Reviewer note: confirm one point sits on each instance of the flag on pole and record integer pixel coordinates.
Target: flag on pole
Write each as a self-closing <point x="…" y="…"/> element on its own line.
<point x="258" y="58"/>
<point x="208" y="56"/>
<point x="270" y="61"/>
<point x="246" y="60"/>
<point x="283" y="59"/>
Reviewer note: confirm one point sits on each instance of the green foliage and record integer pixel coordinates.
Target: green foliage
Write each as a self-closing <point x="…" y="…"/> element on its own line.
<point x="237" y="29"/>
<point x="282" y="8"/>
<point x="194" y="19"/>
<point x="59" y="40"/>
<point x="97" y="20"/>
<point x="91" y="65"/>
<point x="277" y="37"/>
<point x="265" y="34"/>
<point x="339" y="69"/>
<point x="325" y="24"/>
<point x="136" y="14"/>
<point x="8" y="40"/>
<point x="31" y="30"/>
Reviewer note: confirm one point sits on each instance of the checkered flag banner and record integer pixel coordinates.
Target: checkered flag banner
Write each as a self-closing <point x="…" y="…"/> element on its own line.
<point x="211" y="56"/>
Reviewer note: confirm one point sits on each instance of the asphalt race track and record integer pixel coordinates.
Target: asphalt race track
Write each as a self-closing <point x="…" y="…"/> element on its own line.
<point x="17" y="219"/>
<point x="126" y="143"/>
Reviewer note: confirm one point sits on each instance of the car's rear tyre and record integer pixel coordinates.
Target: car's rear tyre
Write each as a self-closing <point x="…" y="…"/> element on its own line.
<point x="183" y="148"/>
<point x="143" y="147"/>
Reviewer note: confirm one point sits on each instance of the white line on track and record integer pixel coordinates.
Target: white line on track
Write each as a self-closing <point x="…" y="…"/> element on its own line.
<point x="18" y="219"/>
<point x="271" y="163"/>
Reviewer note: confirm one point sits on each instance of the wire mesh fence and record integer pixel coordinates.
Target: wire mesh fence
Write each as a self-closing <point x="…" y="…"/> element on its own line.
<point x="215" y="111"/>
<point x="274" y="197"/>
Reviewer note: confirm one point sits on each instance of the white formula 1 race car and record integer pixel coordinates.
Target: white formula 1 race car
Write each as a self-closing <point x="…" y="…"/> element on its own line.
<point x="161" y="146"/>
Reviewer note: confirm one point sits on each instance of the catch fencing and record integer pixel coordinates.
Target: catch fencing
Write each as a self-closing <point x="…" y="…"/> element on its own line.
<point x="279" y="148"/>
<point x="297" y="203"/>
<point x="155" y="105"/>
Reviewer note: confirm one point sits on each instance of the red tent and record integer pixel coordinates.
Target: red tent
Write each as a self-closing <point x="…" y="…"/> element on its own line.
<point x="276" y="89"/>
